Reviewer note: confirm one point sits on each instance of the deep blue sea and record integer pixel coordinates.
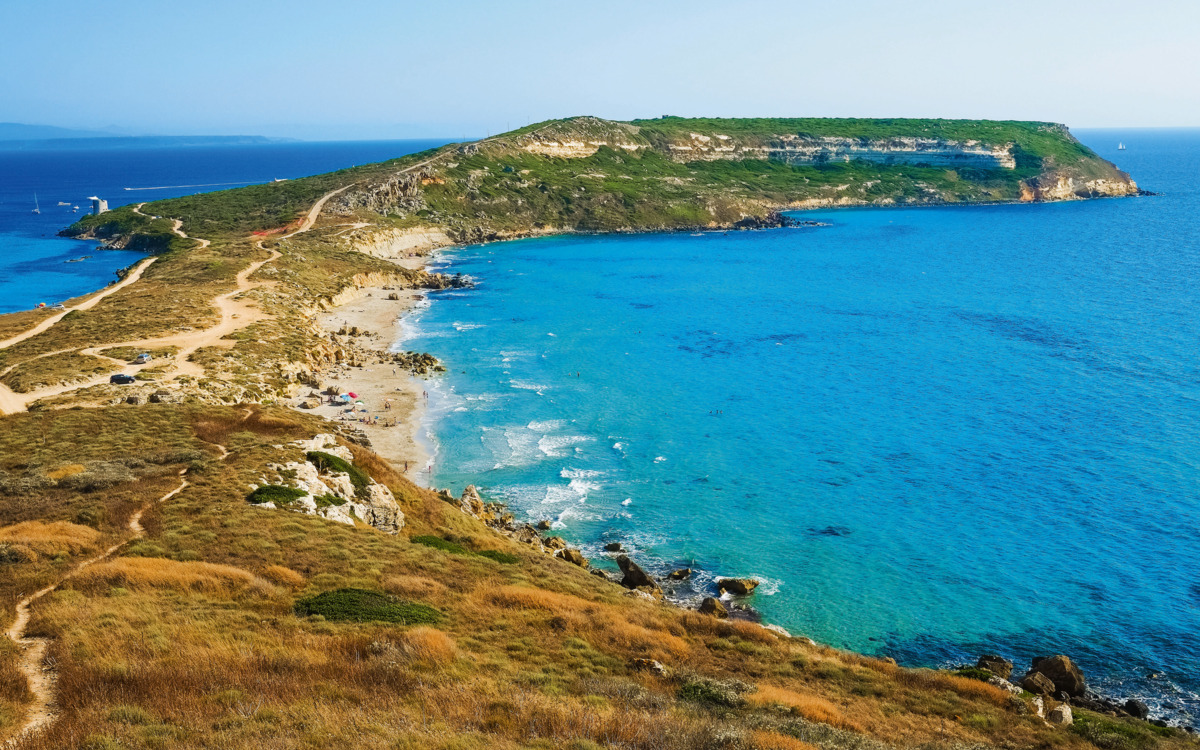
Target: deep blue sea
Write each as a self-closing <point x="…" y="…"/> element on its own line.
<point x="932" y="433"/>
<point x="34" y="263"/>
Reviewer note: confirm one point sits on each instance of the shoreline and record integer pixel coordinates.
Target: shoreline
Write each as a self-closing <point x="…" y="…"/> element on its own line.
<point x="679" y="594"/>
<point x="393" y="395"/>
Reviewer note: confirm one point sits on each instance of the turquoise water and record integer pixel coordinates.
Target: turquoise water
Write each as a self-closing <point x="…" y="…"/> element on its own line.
<point x="37" y="266"/>
<point x="932" y="432"/>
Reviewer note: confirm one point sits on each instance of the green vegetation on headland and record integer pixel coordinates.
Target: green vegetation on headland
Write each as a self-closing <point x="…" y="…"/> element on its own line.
<point x="240" y="614"/>
<point x="588" y="174"/>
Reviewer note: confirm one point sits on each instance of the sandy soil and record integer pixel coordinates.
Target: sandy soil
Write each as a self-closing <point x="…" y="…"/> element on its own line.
<point x="378" y="384"/>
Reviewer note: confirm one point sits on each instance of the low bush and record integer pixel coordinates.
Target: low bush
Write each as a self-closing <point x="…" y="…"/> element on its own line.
<point x="360" y="605"/>
<point x="274" y="493"/>
<point x="439" y="543"/>
<point x="727" y="693"/>
<point x="504" y="558"/>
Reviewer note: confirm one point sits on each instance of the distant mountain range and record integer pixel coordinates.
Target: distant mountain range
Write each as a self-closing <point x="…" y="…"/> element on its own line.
<point x="20" y="136"/>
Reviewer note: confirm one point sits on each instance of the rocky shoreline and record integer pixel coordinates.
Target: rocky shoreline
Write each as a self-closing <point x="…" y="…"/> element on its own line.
<point x="1049" y="689"/>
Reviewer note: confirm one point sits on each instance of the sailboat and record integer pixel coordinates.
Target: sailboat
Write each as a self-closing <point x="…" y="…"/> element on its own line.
<point x="36" y="208"/>
<point x="1120" y="146"/>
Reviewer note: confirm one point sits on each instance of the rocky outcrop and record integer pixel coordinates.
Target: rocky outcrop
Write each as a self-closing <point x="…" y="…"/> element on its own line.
<point x="713" y="606"/>
<point x="997" y="665"/>
<point x="1038" y="684"/>
<point x="1060" y="715"/>
<point x="1062" y="672"/>
<point x="737" y="586"/>
<point x="805" y="149"/>
<point x="633" y="575"/>
<point x="333" y="494"/>
<point x="1062" y="186"/>
<point x="573" y="556"/>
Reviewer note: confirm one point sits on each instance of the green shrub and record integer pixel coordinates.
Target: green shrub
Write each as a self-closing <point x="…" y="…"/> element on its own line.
<point x="504" y="558"/>
<point x="325" y="501"/>
<point x="274" y="493"/>
<point x="439" y="543"/>
<point x="1117" y="734"/>
<point x="331" y="463"/>
<point x="360" y="605"/>
<point x="974" y="673"/>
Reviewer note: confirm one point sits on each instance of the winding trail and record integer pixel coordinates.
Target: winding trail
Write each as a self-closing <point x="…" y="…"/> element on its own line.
<point x="32" y="659"/>
<point x="235" y="314"/>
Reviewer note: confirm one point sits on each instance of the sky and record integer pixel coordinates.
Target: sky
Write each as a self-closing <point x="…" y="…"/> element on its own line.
<point x="377" y="69"/>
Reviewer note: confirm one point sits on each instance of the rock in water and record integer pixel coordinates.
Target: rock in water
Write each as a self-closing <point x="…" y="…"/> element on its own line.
<point x="1037" y="683"/>
<point x="679" y="575"/>
<point x="997" y="665"/>
<point x="612" y="547"/>
<point x="1062" y="672"/>
<point x="738" y="586"/>
<point x="713" y="606"/>
<point x="543" y="525"/>
<point x="634" y="576"/>
<point x="1137" y="709"/>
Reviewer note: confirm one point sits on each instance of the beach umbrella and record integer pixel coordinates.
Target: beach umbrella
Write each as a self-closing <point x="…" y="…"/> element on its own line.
<point x="352" y="394"/>
<point x="344" y="397"/>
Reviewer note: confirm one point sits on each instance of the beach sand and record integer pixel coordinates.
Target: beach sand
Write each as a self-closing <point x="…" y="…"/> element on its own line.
<point x="378" y="383"/>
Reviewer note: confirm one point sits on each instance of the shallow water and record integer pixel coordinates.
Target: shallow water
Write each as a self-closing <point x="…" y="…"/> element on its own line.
<point x="932" y="432"/>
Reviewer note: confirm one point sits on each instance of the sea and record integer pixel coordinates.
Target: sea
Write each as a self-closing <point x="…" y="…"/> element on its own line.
<point x="37" y="266"/>
<point x="931" y="433"/>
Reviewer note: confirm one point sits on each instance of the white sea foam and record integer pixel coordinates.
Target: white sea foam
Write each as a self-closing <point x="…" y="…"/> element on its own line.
<point x="557" y="445"/>
<point x="618" y="446"/>
<point x="468" y="326"/>
<point x="583" y="487"/>
<point x="525" y="385"/>
<point x="547" y="425"/>
<point x="627" y="501"/>
<point x="568" y="473"/>
<point x="660" y="459"/>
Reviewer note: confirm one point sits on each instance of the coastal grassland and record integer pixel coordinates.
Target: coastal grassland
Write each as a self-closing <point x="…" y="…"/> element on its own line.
<point x="14" y="690"/>
<point x="137" y="231"/>
<point x="190" y="637"/>
<point x="41" y="372"/>
<point x="231" y="213"/>
<point x="14" y="323"/>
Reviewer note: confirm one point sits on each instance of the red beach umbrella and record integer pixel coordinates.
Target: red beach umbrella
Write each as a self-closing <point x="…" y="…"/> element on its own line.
<point x="352" y="394"/>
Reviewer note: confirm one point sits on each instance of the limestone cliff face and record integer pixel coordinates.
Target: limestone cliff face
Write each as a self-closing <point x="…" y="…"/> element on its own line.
<point x="798" y="149"/>
<point x="1061" y="186"/>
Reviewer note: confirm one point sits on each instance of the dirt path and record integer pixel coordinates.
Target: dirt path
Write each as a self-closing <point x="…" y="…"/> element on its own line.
<point x="86" y="305"/>
<point x="235" y="314"/>
<point x="32" y="663"/>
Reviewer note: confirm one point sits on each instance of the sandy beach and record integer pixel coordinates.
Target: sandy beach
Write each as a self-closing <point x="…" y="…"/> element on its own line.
<point x="392" y="395"/>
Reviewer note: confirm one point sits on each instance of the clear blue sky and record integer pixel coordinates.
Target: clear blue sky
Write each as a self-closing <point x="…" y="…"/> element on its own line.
<point x="392" y="69"/>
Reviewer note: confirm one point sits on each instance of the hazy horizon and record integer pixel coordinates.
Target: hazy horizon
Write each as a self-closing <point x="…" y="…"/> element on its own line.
<point x="463" y="69"/>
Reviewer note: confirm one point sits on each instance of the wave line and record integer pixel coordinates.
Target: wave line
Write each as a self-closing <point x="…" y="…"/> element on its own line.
<point x="210" y="184"/>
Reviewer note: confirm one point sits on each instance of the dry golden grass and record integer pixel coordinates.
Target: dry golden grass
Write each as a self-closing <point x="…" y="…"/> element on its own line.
<point x="156" y="573"/>
<point x="63" y="472"/>
<point x="428" y="645"/>
<point x="761" y="740"/>
<point x="811" y="707"/>
<point x="414" y="587"/>
<point x="50" y="538"/>
<point x="217" y="427"/>
<point x="706" y="625"/>
<point x="284" y="576"/>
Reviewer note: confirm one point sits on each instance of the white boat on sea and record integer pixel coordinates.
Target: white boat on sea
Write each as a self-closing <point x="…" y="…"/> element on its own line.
<point x="1120" y="145"/>
<point x="36" y="208"/>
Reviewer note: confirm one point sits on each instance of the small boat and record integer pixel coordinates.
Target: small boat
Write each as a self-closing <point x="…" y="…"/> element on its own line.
<point x="63" y="203"/>
<point x="1120" y="146"/>
<point x="281" y="179"/>
<point x="36" y="208"/>
<point x="75" y="209"/>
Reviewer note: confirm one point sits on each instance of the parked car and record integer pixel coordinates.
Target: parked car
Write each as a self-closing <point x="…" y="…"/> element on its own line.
<point x="143" y="358"/>
<point x="58" y="306"/>
<point x="122" y="379"/>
